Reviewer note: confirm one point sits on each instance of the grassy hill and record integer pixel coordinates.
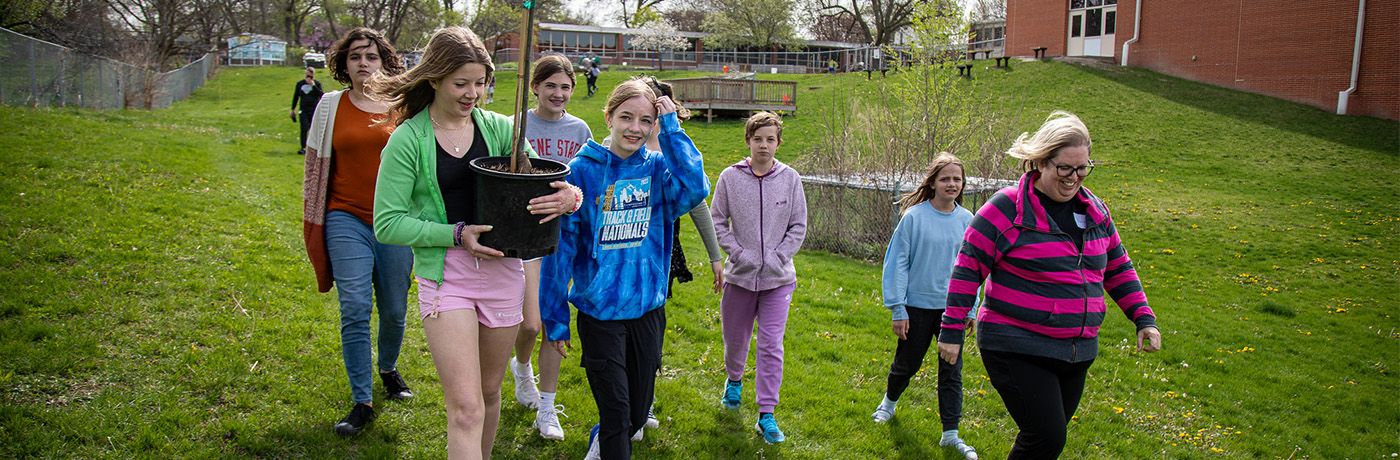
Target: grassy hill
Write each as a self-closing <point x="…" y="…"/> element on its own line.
<point x="159" y="304"/>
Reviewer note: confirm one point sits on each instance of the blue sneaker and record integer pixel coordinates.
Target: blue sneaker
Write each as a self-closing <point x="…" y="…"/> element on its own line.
<point x="593" y="452"/>
<point x="768" y="427"/>
<point x="730" y="400"/>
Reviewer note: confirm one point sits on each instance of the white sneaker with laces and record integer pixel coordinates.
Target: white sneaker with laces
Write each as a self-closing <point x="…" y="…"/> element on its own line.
<point x="637" y="437"/>
<point x="547" y="421"/>
<point x="525" y="391"/>
<point x="652" y="422"/>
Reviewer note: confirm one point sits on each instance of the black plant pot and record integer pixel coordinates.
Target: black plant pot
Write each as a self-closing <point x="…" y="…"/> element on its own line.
<point x="501" y="198"/>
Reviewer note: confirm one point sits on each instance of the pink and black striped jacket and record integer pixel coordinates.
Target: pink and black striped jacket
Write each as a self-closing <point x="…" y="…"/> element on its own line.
<point x="1044" y="295"/>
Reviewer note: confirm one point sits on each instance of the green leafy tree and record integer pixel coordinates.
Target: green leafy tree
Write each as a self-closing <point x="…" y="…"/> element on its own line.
<point x="762" y="24"/>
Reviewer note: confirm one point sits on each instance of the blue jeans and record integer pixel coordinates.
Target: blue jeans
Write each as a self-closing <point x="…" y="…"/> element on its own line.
<point x="367" y="273"/>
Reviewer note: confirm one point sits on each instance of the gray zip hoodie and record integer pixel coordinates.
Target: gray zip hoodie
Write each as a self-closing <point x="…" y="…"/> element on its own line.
<point x="760" y="222"/>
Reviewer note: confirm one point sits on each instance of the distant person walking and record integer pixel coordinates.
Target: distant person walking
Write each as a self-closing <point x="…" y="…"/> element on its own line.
<point x="341" y="168"/>
<point x="307" y="94"/>
<point x="593" y="78"/>
<point x="1047" y="251"/>
<point x="918" y="266"/>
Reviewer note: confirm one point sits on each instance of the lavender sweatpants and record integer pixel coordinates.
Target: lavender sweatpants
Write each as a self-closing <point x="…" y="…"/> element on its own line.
<point x="741" y="312"/>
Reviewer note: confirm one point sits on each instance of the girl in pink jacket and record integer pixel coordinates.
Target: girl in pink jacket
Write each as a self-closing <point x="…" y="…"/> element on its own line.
<point x="760" y="217"/>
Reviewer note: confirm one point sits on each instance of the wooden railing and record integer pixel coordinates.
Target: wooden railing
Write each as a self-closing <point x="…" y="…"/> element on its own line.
<point x="711" y="94"/>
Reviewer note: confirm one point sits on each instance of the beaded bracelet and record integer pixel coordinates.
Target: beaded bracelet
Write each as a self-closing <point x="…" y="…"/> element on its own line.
<point x="457" y="234"/>
<point x="578" y="199"/>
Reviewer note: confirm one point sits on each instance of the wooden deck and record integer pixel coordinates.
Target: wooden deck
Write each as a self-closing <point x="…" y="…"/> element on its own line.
<point x="711" y="94"/>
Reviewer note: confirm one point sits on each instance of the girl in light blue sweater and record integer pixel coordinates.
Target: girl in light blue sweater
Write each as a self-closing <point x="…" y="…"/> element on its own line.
<point x="918" y="267"/>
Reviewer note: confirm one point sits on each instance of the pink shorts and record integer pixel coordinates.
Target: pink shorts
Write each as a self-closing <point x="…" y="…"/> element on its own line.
<point x="494" y="288"/>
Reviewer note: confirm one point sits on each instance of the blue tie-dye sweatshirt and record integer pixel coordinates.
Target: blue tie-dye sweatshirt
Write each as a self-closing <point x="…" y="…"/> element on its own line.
<point x="617" y="248"/>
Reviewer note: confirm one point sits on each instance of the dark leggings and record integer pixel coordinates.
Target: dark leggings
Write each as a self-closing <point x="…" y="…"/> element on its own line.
<point x="620" y="358"/>
<point x="924" y="326"/>
<point x="1041" y="394"/>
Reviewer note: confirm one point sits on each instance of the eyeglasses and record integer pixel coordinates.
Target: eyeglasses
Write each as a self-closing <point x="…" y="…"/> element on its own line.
<point x="1066" y="171"/>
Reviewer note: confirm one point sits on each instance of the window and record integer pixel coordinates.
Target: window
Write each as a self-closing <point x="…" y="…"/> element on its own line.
<point x="1074" y="30"/>
<point x="1076" y="4"/>
<point x="1108" y="22"/>
<point x="1094" y="23"/>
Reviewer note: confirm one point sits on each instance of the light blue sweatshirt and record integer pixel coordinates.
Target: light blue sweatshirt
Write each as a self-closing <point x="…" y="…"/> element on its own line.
<point x="617" y="248"/>
<point x="919" y="261"/>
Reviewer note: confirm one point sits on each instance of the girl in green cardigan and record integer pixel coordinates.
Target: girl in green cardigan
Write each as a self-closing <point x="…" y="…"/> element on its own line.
<point x="470" y="296"/>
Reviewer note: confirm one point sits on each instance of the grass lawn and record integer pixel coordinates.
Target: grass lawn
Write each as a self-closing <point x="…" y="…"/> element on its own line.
<point x="160" y="305"/>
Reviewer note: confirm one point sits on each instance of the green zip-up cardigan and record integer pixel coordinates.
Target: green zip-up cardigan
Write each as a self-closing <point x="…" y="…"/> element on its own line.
<point x="408" y="208"/>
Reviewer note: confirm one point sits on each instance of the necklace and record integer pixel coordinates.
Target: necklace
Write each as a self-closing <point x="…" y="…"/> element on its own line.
<point x="455" y="148"/>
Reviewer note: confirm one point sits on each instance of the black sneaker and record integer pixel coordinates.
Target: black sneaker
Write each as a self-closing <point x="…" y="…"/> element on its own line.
<point x="360" y="415"/>
<point x="395" y="386"/>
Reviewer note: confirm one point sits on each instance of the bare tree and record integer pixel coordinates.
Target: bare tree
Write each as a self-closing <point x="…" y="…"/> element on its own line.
<point x="629" y="8"/>
<point x="84" y="25"/>
<point x="985" y="10"/>
<point x="878" y="20"/>
<point x="294" y="14"/>
<point x="686" y="19"/>
<point x="837" y="28"/>
<point x="158" y="24"/>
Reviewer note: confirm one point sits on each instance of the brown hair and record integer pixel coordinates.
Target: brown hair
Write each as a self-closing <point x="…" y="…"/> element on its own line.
<point x="661" y="88"/>
<point x="762" y="119"/>
<point x="628" y="90"/>
<point x="925" y="191"/>
<point x="549" y="65"/>
<point x="448" y="50"/>
<point x="389" y="60"/>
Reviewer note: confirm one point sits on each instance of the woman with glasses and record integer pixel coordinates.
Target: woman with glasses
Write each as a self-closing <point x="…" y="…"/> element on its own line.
<point x="1047" y="250"/>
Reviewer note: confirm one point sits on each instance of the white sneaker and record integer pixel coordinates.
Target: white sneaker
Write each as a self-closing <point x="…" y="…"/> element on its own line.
<point x="882" y="415"/>
<point x="547" y="421"/>
<point x="593" y="452"/>
<point x="637" y="437"/>
<point x="652" y="422"/>
<point x="959" y="445"/>
<point x="525" y="391"/>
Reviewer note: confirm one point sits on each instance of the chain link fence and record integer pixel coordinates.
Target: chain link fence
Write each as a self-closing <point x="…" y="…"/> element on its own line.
<point x="855" y="216"/>
<point x="37" y="73"/>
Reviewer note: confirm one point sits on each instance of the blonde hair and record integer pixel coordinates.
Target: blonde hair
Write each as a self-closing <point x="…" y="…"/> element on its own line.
<point x="1061" y="129"/>
<point x="448" y="50"/>
<point x="762" y="119"/>
<point x="925" y="192"/>
<point x="627" y="90"/>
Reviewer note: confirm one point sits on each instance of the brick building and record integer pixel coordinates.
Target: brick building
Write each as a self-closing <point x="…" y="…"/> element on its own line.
<point x="1298" y="51"/>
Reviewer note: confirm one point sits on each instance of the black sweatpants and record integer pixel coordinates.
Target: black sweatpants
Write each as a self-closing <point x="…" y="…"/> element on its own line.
<point x="924" y="326"/>
<point x="304" y="117"/>
<point x="1041" y="394"/>
<point x="621" y="358"/>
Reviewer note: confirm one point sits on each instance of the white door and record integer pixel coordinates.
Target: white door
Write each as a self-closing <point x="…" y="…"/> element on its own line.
<point x="1110" y="20"/>
<point x="1091" y="31"/>
<point x="1076" y="34"/>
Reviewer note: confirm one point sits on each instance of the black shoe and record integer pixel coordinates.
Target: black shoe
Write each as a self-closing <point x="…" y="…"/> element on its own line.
<point x="301" y="152"/>
<point x="395" y="386"/>
<point x="360" y="415"/>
